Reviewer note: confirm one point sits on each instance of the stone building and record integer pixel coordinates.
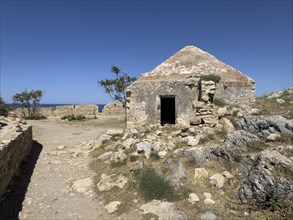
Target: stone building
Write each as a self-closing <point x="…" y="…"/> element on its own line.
<point x="174" y="91"/>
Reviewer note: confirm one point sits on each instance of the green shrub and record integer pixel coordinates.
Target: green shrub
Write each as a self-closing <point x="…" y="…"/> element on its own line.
<point x="35" y="117"/>
<point x="286" y="138"/>
<point x="207" y="138"/>
<point x="220" y="102"/>
<point x="133" y="158"/>
<point x="154" y="156"/>
<point x="4" y="109"/>
<point x="212" y="77"/>
<point x="153" y="186"/>
<point x="73" y="117"/>
<point x="257" y="146"/>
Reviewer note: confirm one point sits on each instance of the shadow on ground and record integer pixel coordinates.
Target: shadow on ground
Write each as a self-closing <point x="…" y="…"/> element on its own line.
<point x="12" y="203"/>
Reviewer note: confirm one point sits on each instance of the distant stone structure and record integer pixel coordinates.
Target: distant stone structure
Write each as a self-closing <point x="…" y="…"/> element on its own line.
<point x="88" y="110"/>
<point x="113" y="109"/>
<point x="174" y="93"/>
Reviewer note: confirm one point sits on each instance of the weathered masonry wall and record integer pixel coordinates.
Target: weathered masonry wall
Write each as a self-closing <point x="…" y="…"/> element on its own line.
<point x="88" y="110"/>
<point x="144" y="96"/>
<point x="12" y="154"/>
<point x="235" y="93"/>
<point x="113" y="109"/>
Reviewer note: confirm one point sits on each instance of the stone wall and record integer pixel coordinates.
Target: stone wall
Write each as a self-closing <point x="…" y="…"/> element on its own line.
<point x="88" y="110"/>
<point x="235" y="93"/>
<point x="14" y="147"/>
<point x="113" y="108"/>
<point x="144" y="96"/>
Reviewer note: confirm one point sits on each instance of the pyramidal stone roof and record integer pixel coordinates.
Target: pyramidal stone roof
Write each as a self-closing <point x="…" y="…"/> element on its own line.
<point x="190" y="62"/>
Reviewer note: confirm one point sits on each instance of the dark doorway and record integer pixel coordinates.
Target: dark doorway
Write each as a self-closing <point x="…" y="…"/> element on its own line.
<point x="167" y="110"/>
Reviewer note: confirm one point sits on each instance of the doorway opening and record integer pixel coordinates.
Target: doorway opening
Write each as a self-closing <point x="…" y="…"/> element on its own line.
<point x="168" y="110"/>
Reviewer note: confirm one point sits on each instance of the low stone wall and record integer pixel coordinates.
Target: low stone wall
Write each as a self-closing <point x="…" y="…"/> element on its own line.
<point x="12" y="153"/>
<point x="113" y="108"/>
<point x="88" y="110"/>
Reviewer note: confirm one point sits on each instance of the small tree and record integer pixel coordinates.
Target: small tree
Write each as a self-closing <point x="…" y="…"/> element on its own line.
<point x="4" y="108"/>
<point x="116" y="87"/>
<point x="29" y="101"/>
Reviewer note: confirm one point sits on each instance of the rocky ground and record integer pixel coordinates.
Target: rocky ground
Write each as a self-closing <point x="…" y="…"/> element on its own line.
<point x="238" y="166"/>
<point x="60" y="185"/>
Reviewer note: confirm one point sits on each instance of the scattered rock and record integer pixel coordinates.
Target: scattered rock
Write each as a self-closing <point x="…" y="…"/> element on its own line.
<point x="118" y="156"/>
<point x="61" y="147"/>
<point x="207" y="195"/>
<point x="259" y="183"/>
<point x="227" y="125"/>
<point x="200" y="173"/>
<point x="209" y="201"/>
<point x="192" y="141"/>
<point x="193" y="198"/>
<point x="112" y="206"/>
<point x="170" y="146"/>
<point x="107" y="182"/>
<point x="145" y="147"/>
<point x="162" y="154"/>
<point x="82" y="185"/>
<point x="164" y="210"/>
<point x="273" y="137"/>
<point x="208" y="216"/>
<point x="227" y="174"/>
<point x="221" y="112"/>
<point x="280" y="101"/>
<point x="159" y="133"/>
<point x="128" y="143"/>
<point x="106" y="155"/>
<point x="113" y="132"/>
<point x="218" y="180"/>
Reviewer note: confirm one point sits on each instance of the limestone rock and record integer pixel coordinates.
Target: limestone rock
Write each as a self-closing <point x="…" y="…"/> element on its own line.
<point x="145" y="147"/>
<point x="61" y="147"/>
<point x="218" y="180"/>
<point x="273" y="137"/>
<point x="271" y="123"/>
<point x="112" y="206"/>
<point x="280" y="101"/>
<point x="106" y="155"/>
<point x="193" y="198"/>
<point x="128" y="143"/>
<point x="113" y="132"/>
<point x="209" y="201"/>
<point x="192" y="141"/>
<point x="162" y="154"/>
<point x="200" y="173"/>
<point x="227" y="174"/>
<point x="208" y="216"/>
<point x="107" y="182"/>
<point x="207" y="195"/>
<point x="228" y="126"/>
<point x="118" y="156"/>
<point x="82" y="185"/>
<point x="164" y="210"/>
<point x="258" y="181"/>
<point x="221" y="112"/>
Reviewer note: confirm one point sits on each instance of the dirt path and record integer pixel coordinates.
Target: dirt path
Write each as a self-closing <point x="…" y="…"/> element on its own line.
<point x="60" y="186"/>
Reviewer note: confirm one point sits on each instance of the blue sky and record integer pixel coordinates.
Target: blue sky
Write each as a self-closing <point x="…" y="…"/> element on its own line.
<point x="65" y="47"/>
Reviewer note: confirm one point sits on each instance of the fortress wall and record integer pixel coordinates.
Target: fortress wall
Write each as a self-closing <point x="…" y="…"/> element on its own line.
<point x="12" y="153"/>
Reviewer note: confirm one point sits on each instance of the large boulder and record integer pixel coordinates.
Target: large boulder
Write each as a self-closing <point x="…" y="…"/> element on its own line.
<point x="164" y="210"/>
<point x="260" y="184"/>
<point x="272" y="124"/>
